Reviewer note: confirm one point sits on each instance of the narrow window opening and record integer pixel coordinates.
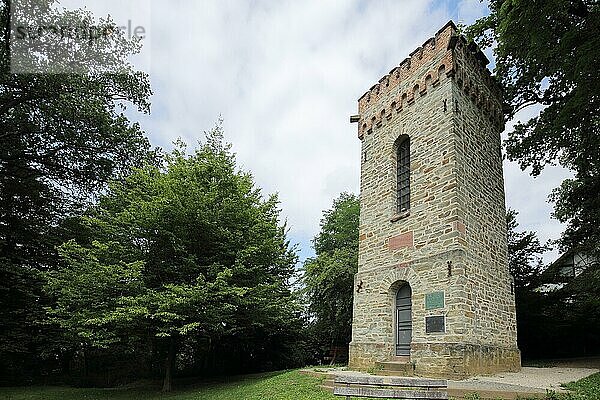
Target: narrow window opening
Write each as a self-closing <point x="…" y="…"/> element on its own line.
<point x="403" y="175"/>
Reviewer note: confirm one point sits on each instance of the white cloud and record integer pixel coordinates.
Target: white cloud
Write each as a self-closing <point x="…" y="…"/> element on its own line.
<point x="285" y="76"/>
<point x="529" y="196"/>
<point x="468" y="11"/>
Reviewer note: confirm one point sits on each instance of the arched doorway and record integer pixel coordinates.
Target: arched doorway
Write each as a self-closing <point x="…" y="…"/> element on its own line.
<point x="403" y="320"/>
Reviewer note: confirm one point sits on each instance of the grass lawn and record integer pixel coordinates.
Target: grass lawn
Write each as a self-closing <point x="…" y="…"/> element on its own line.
<point x="586" y="388"/>
<point x="289" y="385"/>
<point x="277" y="386"/>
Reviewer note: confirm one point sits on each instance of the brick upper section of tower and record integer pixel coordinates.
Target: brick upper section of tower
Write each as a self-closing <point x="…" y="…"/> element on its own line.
<point x="440" y="56"/>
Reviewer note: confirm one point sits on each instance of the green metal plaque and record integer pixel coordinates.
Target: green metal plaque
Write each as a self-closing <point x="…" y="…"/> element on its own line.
<point x="434" y="300"/>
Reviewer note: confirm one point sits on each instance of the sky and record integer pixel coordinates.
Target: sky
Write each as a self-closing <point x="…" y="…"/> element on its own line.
<point x="285" y="76"/>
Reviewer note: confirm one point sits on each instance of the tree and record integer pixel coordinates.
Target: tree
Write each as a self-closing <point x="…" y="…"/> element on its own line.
<point x="62" y="137"/>
<point x="551" y="309"/>
<point x="525" y="265"/>
<point x="329" y="277"/>
<point x="547" y="53"/>
<point x="524" y="250"/>
<point x="189" y="251"/>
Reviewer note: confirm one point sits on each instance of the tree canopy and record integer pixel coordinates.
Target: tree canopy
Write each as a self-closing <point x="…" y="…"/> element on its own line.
<point x="62" y="137"/>
<point x="525" y="265"/>
<point x="552" y="308"/>
<point x="524" y="255"/>
<point x="186" y="251"/>
<point x="329" y="276"/>
<point x="547" y="53"/>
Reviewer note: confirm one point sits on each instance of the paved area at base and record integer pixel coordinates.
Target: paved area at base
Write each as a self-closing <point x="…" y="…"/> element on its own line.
<point x="541" y="378"/>
<point x="530" y="381"/>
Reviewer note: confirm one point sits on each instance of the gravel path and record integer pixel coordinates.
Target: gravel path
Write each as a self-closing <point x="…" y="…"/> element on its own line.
<point x="542" y="378"/>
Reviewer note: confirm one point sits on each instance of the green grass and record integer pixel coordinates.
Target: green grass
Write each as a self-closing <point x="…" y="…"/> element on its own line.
<point x="289" y="385"/>
<point x="584" y="389"/>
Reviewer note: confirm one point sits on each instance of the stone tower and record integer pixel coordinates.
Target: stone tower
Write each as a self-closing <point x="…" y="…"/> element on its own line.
<point x="433" y="291"/>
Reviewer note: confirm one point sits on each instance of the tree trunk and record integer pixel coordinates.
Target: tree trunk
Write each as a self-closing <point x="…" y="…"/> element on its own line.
<point x="169" y="366"/>
<point x="65" y="363"/>
<point x="333" y="355"/>
<point x="85" y="365"/>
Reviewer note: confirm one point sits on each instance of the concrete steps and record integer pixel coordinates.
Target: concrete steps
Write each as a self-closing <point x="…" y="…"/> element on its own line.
<point x="396" y="368"/>
<point x="328" y="384"/>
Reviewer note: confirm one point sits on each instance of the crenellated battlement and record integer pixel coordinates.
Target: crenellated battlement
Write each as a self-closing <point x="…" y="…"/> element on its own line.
<point x="446" y="55"/>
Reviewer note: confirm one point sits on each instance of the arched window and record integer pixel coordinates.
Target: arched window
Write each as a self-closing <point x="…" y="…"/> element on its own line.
<point x="403" y="174"/>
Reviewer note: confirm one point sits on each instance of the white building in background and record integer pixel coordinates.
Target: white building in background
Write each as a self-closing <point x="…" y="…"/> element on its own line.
<point x="568" y="266"/>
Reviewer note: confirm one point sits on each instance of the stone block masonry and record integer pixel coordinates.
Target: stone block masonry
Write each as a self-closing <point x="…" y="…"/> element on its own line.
<point x="451" y="243"/>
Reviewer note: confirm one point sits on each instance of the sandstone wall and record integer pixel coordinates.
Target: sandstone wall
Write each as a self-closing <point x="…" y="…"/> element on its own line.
<point x="453" y="240"/>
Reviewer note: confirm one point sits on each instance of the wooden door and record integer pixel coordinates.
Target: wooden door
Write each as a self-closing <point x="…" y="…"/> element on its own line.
<point x="403" y="320"/>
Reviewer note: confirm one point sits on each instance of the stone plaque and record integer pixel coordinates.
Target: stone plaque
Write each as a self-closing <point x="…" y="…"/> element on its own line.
<point x="434" y="300"/>
<point x="435" y="324"/>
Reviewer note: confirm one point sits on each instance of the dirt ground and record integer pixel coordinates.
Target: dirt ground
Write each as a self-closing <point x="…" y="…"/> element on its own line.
<point x="546" y="374"/>
<point x="534" y="377"/>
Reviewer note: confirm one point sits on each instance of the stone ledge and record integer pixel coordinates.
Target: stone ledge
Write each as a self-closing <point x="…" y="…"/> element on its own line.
<point x="398" y="216"/>
<point x="457" y="252"/>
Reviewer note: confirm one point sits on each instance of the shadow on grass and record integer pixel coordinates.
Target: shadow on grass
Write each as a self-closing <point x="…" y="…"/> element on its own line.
<point x="280" y="385"/>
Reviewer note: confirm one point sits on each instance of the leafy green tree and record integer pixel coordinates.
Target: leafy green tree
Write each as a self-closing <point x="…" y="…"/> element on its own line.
<point x="525" y="265"/>
<point x="189" y="251"/>
<point x="577" y="305"/>
<point x="62" y="137"/>
<point x="547" y="53"/>
<point x="329" y="276"/>
<point x="524" y="254"/>
<point x="551" y="308"/>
